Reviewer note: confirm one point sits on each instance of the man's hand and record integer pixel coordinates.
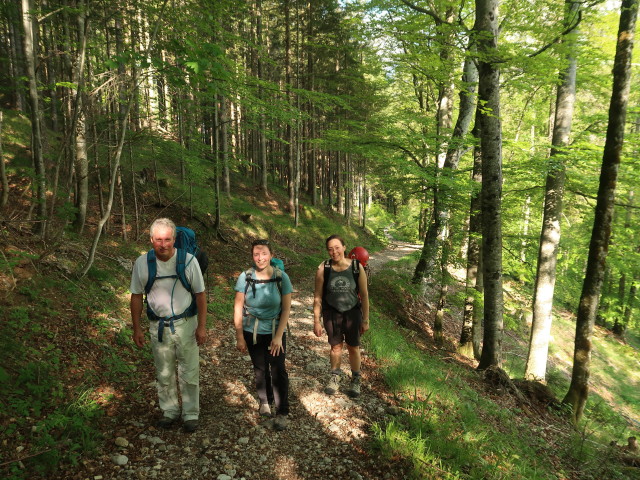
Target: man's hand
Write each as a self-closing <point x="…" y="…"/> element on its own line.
<point x="138" y="337"/>
<point x="201" y="335"/>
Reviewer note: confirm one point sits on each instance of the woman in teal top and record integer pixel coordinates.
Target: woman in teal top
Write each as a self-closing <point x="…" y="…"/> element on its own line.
<point x="260" y="315"/>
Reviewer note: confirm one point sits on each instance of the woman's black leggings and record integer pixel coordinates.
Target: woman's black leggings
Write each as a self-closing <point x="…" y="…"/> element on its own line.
<point x="272" y="379"/>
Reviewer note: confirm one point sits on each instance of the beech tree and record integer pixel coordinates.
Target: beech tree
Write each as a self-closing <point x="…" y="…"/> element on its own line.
<point x="29" y="25"/>
<point x="554" y="190"/>
<point x="578" y="392"/>
<point x="486" y="36"/>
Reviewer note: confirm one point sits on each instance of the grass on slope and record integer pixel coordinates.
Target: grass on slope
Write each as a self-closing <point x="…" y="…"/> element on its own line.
<point x="453" y="425"/>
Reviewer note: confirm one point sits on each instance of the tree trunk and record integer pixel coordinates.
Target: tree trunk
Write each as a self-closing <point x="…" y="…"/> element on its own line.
<point x="81" y="156"/>
<point x="470" y="336"/>
<point x="3" y="172"/>
<point x="36" y="132"/>
<point x="578" y="392"/>
<point x="486" y="31"/>
<point x="550" y="234"/>
<point x="224" y="145"/>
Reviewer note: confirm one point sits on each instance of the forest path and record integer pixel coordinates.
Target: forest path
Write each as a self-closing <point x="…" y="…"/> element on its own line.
<point x="328" y="436"/>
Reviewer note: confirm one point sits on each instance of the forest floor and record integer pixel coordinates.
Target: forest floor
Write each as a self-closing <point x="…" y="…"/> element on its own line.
<point x="327" y="437"/>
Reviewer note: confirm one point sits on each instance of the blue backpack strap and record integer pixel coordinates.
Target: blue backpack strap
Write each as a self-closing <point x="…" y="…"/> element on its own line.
<point x="181" y="267"/>
<point x="152" y="268"/>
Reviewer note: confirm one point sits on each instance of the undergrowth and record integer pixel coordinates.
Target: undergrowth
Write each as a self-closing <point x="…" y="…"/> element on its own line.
<point x="451" y="426"/>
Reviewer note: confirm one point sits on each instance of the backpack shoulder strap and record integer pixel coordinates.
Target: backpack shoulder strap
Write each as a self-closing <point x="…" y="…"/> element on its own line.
<point x="327" y="274"/>
<point x="152" y="268"/>
<point x="355" y="269"/>
<point x="277" y="273"/>
<point x="181" y="267"/>
<point x="249" y="281"/>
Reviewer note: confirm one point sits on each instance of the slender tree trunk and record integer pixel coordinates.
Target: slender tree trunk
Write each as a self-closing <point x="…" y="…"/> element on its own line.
<point x="3" y="173"/>
<point x="36" y="132"/>
<point x="471" y="334"/>
<point x="486" y="31"/>
<point x="578" y="392"/>
<point x="81" y="156"/>
<point x="224" y="145"/>
<point x="550" y="235"/>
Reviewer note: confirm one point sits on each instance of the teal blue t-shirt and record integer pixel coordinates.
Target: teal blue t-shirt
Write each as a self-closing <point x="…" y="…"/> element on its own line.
<point x="264" y="304"/>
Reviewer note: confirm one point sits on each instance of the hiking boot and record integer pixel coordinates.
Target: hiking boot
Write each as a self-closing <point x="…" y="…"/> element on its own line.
<point x="333" y="385"/>
<point x="265" y="410"/>
<point x="281" y="422"/>
<point x="165" y="422"/>
<point x="354" y="388"/>
<point x="190" y="426"/>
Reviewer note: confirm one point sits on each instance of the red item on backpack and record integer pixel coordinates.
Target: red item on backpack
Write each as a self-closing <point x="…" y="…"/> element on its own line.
<point x="360" y="254"/>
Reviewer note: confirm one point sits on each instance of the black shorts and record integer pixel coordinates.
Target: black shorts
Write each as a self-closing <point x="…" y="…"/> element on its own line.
<point x="343" y="326"/>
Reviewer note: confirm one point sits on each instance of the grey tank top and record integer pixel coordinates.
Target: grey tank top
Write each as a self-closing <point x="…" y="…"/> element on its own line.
<point x="341" y="290"/>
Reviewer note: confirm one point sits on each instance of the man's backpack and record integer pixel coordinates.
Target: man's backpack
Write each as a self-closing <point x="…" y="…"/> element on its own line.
<point x="185" y="243"/>
<point x="186" y="239"/>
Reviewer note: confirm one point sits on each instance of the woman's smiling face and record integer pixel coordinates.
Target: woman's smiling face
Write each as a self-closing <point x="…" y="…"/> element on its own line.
<point x="336" y="249"/>
<point x="261" y="256"/>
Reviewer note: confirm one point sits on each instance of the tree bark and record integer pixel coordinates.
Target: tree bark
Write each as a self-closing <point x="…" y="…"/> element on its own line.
<point x="578" y="392"/>
<point x="470" y="335"/>
<point x="81" y="156"/>
<point x="536" y="366"/>
<point x="36" y="131"/>
<point x="3" y="171"/>
<point x="486" y="31"/>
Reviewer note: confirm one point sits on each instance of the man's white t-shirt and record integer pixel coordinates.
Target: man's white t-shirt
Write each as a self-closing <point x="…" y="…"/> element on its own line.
<point x="167" y="292"/>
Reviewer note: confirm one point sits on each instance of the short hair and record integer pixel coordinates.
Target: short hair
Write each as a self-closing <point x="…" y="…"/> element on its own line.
<point x="163" y="222"/>
<point x="334" y="237"/>
<point x="262" y="242"/>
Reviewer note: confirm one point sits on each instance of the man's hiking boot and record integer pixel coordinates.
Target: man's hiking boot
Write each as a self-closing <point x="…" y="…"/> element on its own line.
<point x="333" y="385"/>
<point x="190" y="426"/>
<point x="265" y="410"/>
<point x="354" y="388"/>
<point x="165" y="422"/>
<point x="281" y="422"/>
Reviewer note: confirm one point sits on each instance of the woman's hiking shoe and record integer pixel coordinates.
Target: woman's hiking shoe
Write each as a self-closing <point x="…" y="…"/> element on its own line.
<point x="265" y="410"/>
<point x="190" y="426"/>
<point x="165" y="422"/>
<point x="354" y="388"/>
<point x="281" y="422"/>
<point x="333" y="385"/>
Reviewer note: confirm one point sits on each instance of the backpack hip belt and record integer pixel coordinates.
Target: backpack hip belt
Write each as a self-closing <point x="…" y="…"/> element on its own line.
<point x="256" y="322"/>
<point x="189" y="312"/>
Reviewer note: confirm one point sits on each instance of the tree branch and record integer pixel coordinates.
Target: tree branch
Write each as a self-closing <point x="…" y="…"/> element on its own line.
<point x="566" y="31"/>
<point x="431" y="13"/>
<point x="591" y="197"/>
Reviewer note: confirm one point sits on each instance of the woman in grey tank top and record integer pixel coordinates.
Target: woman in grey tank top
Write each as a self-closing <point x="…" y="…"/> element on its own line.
<point x="341" y="306"/>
